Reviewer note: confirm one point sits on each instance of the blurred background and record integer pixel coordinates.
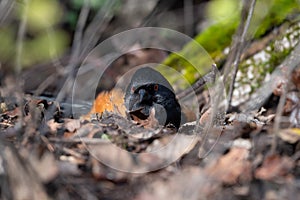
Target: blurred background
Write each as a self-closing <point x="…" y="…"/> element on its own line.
<point x="45" y="41"/>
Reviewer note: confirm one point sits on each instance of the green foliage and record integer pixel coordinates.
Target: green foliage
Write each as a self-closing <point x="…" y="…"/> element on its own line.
<point x="218" y="10"/>
<point x="270" y="13"/>
<point x="41" y="14"/>
<point x="95" y="4"/>
<point x="71" y="16"/>
<point x="225" y="17"/>
<point x="192" y="58"/>
<point x="42" y="39"/>
<point x="45" y="46"/>
<point x="7" y="44"/>
<point x="217" y="37"/>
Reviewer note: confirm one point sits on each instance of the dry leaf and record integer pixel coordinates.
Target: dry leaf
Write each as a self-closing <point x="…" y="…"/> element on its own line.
<point x="53" y="126"/>
<point x="190" y="183"/>
<point x="150" y="122"/>
<point x="232" y="167"/>
<point x="157" y="156"/>
<point x="274" y="166"/>
<point x="173" y="147"/>
<point x="205" y="117"/>
<point x="72" y="125"/>
<point x="291" y="135"/>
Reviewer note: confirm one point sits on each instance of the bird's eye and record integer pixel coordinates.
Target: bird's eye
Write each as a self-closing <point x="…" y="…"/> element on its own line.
<point x="155" y="87"/>
<point x="132" y="90"/>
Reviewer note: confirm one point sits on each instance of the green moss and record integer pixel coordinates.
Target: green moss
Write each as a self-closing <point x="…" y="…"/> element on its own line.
<point x="276" y="12"/>
<point x="275" y="53"/>
<point x="215" y="38"/>
<point x="7" y="42"/>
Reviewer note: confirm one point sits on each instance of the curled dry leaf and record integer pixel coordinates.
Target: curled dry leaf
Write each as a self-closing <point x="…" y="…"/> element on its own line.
<point x="113" y="163"/>
<point x="205" y="117"/>
<point x="173" y="147"/>
<point x="151" y="122"/>
<point x="275" y="166"/>
<point x="157" y="156"/>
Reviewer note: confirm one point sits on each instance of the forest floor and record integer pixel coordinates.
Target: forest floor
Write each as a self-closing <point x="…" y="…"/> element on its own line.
<point x="46" y="154"/>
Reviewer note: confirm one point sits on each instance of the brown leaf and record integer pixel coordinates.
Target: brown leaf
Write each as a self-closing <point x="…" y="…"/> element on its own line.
<point x="232" y="167"/>
<point x="274" y="166"/>
<point x="173" y="147"/>
<point x="205" y="117"/>
<point x="113" y="163"/>
<point x="160" y="154"/>
<point x="72" y="125"/>
<point x="191" y="183"/>
<point x="277" y="91"/>
<point x="53" y="126"/>
<point x="149" y="122"/>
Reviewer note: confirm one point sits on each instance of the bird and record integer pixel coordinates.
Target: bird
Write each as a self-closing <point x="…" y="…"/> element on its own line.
<point x="149" y="90"/>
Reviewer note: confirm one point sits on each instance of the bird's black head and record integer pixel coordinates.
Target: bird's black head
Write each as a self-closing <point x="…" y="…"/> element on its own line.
<point x="149" y="89"/>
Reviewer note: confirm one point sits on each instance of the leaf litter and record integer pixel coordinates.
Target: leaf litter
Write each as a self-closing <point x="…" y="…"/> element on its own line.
<point x="112" y="157"/>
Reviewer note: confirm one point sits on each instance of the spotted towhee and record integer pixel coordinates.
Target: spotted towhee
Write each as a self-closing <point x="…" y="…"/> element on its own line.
<point x="147" y="91"/>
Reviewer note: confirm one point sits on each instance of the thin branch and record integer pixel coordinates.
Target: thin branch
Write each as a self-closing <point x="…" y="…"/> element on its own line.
<point x="208" y="78"/>
<point x="77" y="41"/>
<point x="88" y="41"/>
<point x="238" y="46"/>
<point x="95" y="29"/>
<point x="79" y="140"/>
<point x="20" y="37"/>
<point x="160" y="7"/>
<point x="76" y="47"/>
<point x="188" y="17"/>
<point x="277" y="120"/>
<point x="5" y="8"/>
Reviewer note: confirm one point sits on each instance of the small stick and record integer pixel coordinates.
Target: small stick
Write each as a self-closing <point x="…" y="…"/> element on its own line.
<point x="208" y="78"/>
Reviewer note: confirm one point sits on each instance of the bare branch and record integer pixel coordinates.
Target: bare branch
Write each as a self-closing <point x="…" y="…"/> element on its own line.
<point x="208" y="78"/>
<point x="238" y="46"/>
<point x="20" y="37"/>
<point x="277" y="120"/>
<point x="5" y="8"/>
<point x="97" y="26"/>
<point x="77" y="42"/>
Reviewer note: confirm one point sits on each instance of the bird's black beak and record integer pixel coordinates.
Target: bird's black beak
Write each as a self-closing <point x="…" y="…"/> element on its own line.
<point x="143" y="95"/>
